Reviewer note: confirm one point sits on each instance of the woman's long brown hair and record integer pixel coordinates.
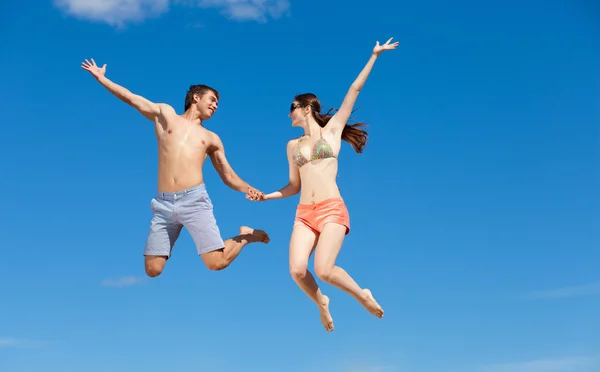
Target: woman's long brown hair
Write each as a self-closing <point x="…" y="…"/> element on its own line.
<point x="356" y="137"/>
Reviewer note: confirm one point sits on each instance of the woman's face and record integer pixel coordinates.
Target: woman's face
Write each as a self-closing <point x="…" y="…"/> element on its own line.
<point x="297" y="114"/>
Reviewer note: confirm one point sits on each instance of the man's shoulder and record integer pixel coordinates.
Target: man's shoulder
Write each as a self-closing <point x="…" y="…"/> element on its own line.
<point x="211" y="135"/>
<point x="214" y="141"/>
<point x="166" y="108"/>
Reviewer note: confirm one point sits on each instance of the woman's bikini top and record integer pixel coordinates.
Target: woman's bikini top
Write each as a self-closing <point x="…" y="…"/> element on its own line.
<point x="321" y="150"/>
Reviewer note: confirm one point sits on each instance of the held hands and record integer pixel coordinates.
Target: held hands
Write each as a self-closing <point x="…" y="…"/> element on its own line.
<point x="387" y="46"/>
<point x="255" y="195"/>
<point x="96" y="71"/>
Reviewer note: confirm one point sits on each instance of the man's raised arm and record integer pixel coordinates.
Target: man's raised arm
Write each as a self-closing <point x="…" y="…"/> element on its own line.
<point x="149" y="109"/>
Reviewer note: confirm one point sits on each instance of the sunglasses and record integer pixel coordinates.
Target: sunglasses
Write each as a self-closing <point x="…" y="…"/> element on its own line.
<point x="294" y="106"/>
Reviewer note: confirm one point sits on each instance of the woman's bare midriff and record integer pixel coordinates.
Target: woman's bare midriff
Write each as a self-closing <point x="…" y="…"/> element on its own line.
<point x="318" y="179"/>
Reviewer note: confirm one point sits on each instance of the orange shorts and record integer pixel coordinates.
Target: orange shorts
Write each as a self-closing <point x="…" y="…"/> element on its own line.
<point x="316" y="215"/>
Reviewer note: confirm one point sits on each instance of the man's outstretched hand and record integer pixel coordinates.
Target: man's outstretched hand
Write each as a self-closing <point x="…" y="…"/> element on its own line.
<point x="96" y="71"/>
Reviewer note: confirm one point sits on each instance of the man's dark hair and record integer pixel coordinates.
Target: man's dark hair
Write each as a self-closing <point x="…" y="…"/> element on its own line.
<point x="200" y="90"/>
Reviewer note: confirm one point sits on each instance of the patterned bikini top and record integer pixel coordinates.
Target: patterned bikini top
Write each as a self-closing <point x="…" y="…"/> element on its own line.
<point x="321" y="150"/>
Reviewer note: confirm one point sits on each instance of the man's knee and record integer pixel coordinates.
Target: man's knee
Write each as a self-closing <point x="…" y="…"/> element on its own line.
<point x="153" y="272"/>
<point x="154" y="265"/>
<point x="215" y="260"/>
<point x="216" y="265"/>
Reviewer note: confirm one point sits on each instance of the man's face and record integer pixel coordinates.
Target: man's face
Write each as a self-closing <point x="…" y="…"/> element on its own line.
<point x="207" y="105"/>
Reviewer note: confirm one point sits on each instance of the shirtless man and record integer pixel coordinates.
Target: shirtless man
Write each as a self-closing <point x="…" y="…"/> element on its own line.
<point x="182" y="199"/>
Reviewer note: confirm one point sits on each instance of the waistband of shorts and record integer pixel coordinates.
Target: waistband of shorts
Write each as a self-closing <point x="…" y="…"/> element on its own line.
<point x="336" y="200"/>
<point x="180" y="194"/>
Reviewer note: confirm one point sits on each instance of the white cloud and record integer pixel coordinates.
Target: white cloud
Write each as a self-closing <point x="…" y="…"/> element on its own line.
<point x="249" y="10"/>
<point x="120" y="12"/>
<point x="574" y="291"/>
<point x="566" y="364"/>
<point x="6" y="342"/>
<point x="121" y="282"/>
<point x="114" y="12"/>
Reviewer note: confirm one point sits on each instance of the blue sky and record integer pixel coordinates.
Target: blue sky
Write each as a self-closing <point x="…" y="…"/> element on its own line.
<point x="474" y="208"/>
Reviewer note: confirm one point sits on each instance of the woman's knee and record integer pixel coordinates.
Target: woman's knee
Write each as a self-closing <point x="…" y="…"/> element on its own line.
<point x="324" y="272"/>
<point x="298" y="271"/>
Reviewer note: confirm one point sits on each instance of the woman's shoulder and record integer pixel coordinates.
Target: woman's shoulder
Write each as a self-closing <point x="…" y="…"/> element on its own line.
<point x="292" y="143"/>
<point x="295" y="140"/>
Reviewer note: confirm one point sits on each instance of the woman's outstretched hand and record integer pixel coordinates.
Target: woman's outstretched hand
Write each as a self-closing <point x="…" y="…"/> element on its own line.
<point x="387" y="46"/>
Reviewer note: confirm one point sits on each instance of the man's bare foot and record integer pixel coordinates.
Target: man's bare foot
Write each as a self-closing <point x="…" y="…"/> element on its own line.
<point x="325" y="315"/>
<point x="253" y="236"/>
<point x="370" y="304"/>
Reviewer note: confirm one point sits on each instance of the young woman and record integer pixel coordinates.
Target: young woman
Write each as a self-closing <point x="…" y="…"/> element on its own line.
<point x="322" y="220"/>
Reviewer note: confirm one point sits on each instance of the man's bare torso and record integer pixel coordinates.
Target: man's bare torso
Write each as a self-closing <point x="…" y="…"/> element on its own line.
<point x="182" y="149"/>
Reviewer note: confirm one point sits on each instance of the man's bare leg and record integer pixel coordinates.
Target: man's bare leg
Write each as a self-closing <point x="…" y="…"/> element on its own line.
<point x="154" y="265"/>
<point x="220" y="259"/>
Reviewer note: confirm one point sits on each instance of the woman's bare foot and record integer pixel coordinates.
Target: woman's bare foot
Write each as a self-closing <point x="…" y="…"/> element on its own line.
<point x="370" y="304"/>
<point x="325" y="315"/>
<point x="253" y="236"/>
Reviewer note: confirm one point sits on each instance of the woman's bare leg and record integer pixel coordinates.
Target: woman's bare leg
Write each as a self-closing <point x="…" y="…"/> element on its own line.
<point x="327" y="250"/>
<point x="302" y="244"/>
